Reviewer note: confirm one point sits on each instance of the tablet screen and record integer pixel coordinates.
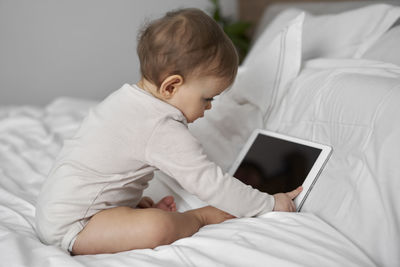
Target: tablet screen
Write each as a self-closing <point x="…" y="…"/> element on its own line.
<point x="273" y="165"/>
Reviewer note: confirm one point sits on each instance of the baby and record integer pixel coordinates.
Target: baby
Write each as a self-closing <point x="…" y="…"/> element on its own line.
<point x="92" y="200"/>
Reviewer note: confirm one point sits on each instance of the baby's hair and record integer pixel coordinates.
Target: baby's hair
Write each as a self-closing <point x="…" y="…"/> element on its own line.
<point x="186" y="42"/>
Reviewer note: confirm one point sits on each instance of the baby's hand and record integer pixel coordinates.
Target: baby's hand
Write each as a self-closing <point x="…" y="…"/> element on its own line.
<point x="284" y="201"/>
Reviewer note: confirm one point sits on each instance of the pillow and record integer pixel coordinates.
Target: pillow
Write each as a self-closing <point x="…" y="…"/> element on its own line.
<point x="235" y="114"/>
<point x="352" y="105"/>
<point x="386" y="49"/>
<point x="344" y="35"/>
<point x="348" y="34"/>
<point x="273" y="62"/>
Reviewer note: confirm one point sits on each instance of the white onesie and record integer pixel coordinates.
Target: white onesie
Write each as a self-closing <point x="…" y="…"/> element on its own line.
<point x="112" y="157"/>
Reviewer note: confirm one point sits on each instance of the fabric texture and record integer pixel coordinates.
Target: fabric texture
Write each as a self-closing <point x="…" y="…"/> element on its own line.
<point x="351" y="105"/>
<point x="386" y="48"/>
<point x="346" y="34"/>
<point x="31" y="138"/>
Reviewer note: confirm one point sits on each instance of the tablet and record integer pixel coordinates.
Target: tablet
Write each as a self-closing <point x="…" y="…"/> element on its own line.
<point x="276" y="163"/>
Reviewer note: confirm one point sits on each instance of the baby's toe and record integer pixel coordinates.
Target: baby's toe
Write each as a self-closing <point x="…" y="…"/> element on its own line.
<point x="168" y="200"/>
<point x="173" y="207"/>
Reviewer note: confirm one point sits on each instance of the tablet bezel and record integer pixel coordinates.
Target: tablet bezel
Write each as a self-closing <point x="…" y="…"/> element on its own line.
<point x="312" y="176"/>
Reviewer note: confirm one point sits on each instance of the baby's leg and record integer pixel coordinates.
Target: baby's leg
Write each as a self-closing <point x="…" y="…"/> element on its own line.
<point x="123" y="228"/>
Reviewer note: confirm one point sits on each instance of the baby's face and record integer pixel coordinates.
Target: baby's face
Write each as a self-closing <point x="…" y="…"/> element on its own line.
<point x="195" y="96"/>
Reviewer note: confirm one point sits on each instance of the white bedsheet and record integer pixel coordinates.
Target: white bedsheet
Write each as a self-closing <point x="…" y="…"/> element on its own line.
<point x="31" y="137"/>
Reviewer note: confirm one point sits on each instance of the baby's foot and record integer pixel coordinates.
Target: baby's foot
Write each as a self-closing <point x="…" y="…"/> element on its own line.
<point x="167" y="204"/>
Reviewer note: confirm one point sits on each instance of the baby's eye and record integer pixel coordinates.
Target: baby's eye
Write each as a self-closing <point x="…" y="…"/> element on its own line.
<point x="209" y="99"/>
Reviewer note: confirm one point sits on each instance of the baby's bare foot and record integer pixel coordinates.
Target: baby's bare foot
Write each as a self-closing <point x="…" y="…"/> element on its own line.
<point x="167" y="204"/>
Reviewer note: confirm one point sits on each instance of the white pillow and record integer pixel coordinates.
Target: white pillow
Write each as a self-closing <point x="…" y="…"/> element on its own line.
<point x="344" y="35"/>
<point x="348" y="34"/>
<point x="273" y="62"/>
<point x="235" y="114"/>
<point x="352" y="105"/>
<point x="387" y="48"/>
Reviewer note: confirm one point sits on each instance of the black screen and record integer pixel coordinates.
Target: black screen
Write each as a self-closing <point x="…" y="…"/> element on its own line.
<point x="274" y="165"/>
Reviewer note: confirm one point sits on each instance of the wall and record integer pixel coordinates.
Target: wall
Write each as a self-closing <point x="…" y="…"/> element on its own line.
<point x="77" y="48"/>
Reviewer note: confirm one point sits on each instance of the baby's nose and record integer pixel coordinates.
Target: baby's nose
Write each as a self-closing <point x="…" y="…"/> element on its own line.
<point x="208" y="106"/>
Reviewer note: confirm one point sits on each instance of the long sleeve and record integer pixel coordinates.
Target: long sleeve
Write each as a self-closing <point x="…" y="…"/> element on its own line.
<point x="172" y="149"/>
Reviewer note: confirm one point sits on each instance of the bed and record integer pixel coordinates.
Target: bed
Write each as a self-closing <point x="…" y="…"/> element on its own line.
<point x="317" y="77"/>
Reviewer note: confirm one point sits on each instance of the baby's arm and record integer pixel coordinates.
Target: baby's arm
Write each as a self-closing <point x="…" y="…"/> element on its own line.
<point x="172" y="149"/>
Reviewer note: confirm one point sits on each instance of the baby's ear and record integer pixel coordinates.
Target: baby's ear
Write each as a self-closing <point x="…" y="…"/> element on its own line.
<point x="170" y="86"/>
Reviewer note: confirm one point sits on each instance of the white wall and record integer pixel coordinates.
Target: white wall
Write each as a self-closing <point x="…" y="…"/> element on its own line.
<point x="78" y="48"/>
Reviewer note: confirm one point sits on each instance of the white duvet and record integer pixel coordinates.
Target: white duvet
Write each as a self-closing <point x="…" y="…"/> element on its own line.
<point x="30" y="138"/>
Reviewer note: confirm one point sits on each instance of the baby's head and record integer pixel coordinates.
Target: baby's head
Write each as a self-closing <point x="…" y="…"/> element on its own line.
<point x="187" y="59"/>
